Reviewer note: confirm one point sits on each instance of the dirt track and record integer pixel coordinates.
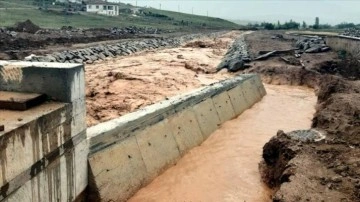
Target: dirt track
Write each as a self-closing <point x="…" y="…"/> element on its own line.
<point x="328" y="170"/>
<point x="124" y="84"/>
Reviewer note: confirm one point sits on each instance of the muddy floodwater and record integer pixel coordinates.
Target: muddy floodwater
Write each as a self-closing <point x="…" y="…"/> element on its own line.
<point x="225" y="166"/>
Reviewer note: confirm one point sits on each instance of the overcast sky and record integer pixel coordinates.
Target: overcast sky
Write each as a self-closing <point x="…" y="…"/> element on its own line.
<point x="329" y="11"/>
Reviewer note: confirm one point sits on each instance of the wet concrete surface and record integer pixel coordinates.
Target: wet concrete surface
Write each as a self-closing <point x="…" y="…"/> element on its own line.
<point x="225" y="166"/>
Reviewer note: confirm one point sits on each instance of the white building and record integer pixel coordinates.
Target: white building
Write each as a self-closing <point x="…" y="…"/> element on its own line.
<point x="102" y="7"/>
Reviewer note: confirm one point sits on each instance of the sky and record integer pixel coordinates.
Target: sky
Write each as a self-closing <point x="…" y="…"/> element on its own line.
<point x="329" y="11"/>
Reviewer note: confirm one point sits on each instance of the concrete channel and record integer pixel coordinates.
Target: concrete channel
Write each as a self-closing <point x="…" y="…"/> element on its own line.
<point x="133" y="146"/>
<point x="50" y="155"/>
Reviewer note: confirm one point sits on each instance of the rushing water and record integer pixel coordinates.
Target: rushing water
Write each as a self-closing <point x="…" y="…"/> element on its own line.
<point x="225" y="166"/>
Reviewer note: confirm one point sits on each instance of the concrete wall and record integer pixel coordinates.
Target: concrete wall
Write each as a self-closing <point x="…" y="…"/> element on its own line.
<point x="44" y="156"/>
<point x="129" y="152"/>
<point x="349" y="44"/>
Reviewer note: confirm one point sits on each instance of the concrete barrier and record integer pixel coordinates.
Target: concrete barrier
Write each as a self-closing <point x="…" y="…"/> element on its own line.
<point x="129" y="152"/>
<point x="349" y="44"/>
<point x="44" y="150"/>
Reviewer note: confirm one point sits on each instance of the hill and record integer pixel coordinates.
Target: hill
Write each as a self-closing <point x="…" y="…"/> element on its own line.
<point x="13" y="11"/>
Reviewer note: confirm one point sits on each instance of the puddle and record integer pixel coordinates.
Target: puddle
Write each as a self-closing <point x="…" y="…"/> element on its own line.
<point x="225" y="166"/>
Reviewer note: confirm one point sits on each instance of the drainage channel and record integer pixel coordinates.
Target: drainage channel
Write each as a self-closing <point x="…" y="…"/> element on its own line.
<point x="225" y="166"/>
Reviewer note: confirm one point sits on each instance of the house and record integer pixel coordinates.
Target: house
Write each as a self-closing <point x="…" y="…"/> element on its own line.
<point x="102" y="7"/>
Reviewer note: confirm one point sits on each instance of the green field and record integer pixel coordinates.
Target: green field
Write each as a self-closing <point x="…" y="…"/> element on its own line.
<point x="13" y="11"/>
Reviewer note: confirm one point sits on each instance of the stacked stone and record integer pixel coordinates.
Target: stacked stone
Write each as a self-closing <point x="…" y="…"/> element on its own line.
<point x="352" y="32"/>
<point x="312" y="45"/>
<point x="100" y="52"/>
<point x="236" y="57"/>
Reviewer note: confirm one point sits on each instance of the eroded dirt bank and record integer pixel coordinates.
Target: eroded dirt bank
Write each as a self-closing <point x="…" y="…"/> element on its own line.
<point x="326" y="170"/>
<point x="121" y="85"/>
<point x="225" y="166"/>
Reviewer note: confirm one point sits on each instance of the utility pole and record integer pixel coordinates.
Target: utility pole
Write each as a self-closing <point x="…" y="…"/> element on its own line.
<point x="136" y="3"/>
<point x="192" y="10"/>
<point x="179" y="8"/>
<point x="207" y="13"/>
<point x="160" y="7"/>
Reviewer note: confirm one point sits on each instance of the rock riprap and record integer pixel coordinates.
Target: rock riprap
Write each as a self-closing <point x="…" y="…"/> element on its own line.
<point x="236" y="57"/>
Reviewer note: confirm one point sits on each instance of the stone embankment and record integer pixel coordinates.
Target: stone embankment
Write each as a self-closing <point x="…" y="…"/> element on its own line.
<point x="100" y="52"/>
<point x="236" y="57"/>
<point x="352" y="32"/>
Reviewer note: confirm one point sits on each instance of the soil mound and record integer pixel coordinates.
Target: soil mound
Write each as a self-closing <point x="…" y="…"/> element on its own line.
<point x="216" y="44"/>
<point x="348" y="68"/>
<point x="199" y="44"/>
<point x="26" y="26"/>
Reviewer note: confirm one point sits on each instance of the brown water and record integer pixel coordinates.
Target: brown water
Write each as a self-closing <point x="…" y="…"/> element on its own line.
<point x="225" y="166"/>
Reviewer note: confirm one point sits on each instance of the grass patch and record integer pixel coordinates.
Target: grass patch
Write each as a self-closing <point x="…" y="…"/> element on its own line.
<point x="16" y="4"/>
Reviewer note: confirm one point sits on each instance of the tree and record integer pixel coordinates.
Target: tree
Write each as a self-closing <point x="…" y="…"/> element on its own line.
<point x="317" y="23"/>
<point x="304" y="25"/>
<point x="345" y="25"/>
<point x="291" y="25"/>
<point x="268" y="26"/>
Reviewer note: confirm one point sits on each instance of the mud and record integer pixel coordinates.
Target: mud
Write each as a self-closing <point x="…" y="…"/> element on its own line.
<point x="328" y="170"/>
<point x="124" y="84"/>
<point x="224" y="167"/>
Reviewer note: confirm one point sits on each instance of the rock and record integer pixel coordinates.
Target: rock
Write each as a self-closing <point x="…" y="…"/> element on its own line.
<point x="110" y="54"/>
<point x="30" y="57"/>
<point x="312" y="45"/>
<point x="127" y="51"/>
<point x="63" y="56"/>
<point x="12" y="33"/>
<point x="352" y="32"/>
<point x="102" y="56"/>
<point x="306" y="135"/>
<point x="324" y="49"/>
<point x="336" y="179"/>
<point x="78" y="61"/>
<point x="341" y="168"/>
<point x="315" y="49"/>
<point x="87" y="57"/>
<point x="94" y="57"/>
<point x="50" y="58"/>
<point x="80" y="56"/>
<point x="236" y="65"/>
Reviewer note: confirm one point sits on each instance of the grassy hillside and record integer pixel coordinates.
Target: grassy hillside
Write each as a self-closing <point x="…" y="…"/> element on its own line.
<point x="16" y="4"/>
<point x="12" y="11"/>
